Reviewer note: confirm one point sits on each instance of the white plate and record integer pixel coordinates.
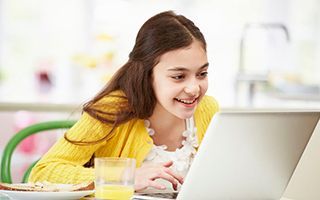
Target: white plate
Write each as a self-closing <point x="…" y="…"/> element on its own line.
<point x="25" y="195"/>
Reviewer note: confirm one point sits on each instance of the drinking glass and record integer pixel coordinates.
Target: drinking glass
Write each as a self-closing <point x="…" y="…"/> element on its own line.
<point x="114" y="178"/>
<point x="4" y="196"/>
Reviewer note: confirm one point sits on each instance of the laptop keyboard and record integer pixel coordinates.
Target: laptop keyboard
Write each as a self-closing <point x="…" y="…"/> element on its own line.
<point x="171" y="195"/>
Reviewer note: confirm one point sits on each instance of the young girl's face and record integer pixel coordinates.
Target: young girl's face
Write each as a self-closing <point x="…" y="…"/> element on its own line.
<point x="180" y="80"/>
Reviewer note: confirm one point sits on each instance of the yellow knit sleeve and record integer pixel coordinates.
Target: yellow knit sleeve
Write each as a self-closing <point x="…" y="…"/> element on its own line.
<point x="63" y="163"/>
<point x="206" y="109"/>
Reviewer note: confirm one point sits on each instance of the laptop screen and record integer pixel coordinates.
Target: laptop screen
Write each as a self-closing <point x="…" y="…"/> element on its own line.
<point x="249" y="155"/>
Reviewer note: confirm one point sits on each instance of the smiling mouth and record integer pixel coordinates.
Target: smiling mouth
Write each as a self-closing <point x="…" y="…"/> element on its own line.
<point x="189" y="102"/>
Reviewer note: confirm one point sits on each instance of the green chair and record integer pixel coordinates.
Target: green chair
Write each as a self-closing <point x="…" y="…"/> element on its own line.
<point x="21" y="135"/>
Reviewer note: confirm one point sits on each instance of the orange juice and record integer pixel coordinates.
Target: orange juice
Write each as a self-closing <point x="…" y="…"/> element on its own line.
<point x="117" y="192"/>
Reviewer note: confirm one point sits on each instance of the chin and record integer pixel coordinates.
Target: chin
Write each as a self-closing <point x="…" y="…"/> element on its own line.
<point x="185" y="115"/>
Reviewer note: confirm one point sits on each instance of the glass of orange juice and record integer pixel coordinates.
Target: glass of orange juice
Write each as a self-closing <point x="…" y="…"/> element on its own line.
<point x="114" y="178"/>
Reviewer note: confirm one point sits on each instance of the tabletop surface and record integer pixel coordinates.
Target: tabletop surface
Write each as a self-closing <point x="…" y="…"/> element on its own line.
<point x="92" y="198"/>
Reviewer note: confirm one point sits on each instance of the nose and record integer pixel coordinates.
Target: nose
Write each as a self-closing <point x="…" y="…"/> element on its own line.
<point x="192" y="89"/>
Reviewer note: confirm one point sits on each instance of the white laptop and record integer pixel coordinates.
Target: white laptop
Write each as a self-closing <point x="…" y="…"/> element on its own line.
<point x="248" y="155"/>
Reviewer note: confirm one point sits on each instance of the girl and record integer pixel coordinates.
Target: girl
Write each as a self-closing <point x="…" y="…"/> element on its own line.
<point x="154" y="109"/>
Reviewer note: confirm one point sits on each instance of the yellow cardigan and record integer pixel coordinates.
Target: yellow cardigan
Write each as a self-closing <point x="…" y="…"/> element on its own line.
<point x="63" y="163"/>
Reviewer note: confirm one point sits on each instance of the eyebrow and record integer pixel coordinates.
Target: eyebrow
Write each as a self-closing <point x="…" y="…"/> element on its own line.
<point x="185" y="69"/>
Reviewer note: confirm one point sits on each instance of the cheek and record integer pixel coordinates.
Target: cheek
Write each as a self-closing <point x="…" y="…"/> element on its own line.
<point x="204" y="86"/>
<point x="166" y="93"/>
<point x="162" y="86"/>
<point x="162" y="89"/>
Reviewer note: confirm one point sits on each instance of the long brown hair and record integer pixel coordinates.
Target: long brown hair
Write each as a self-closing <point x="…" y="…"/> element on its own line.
<point x="163" y="32"/>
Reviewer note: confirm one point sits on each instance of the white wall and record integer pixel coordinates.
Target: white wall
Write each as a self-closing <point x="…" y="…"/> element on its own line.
<point x="55" y="32"/>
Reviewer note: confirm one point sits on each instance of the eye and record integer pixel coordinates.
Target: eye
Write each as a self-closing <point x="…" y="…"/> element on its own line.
<point x="203" y="74"/>
<point x="178" y="77"/>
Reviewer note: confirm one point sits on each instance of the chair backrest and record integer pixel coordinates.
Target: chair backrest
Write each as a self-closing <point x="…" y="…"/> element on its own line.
<point x="21" y="135"/>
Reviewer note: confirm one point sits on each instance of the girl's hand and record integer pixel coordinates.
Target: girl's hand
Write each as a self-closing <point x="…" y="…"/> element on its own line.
<point x="148" y="173"/>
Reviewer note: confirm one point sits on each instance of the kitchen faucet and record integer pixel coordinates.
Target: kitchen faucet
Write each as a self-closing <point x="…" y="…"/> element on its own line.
<point x="252" y="79"/>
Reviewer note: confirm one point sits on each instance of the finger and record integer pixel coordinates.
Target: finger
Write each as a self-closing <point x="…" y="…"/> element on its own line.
<point x="156" y="185"/>
<point x="173" y="174"/>
<point x="167" y="164"/>
<point x="166" y="176"/>
<point x="139" y="187"/>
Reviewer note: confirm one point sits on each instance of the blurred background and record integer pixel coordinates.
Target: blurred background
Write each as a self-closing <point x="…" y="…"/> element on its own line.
<point x="56" y="54"/>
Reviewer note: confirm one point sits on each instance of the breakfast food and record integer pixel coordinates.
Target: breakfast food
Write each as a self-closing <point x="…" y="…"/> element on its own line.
<point x="47" y="187"/>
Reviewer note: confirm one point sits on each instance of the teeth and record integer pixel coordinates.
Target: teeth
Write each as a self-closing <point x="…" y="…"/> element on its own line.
<point x="186" y="101"/>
